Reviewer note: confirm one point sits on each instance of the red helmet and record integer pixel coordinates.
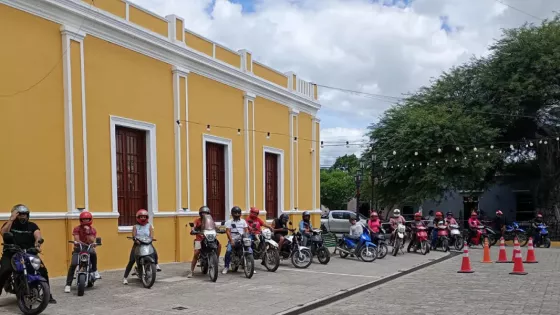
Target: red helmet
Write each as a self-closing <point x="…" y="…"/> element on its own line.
<point x="539" y="216"/>
<point x="499" y="212"/>
<point x="373" y="215"/>
<point x="86" y="215"/>
<point x="439" y="215"/>
<point x="417" y="216"/>
<point x="254" y="212"/>
<point x="142" y="216"/>
<point x="474" y="214"/>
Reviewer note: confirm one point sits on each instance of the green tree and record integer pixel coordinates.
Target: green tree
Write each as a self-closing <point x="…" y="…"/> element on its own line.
<point x="337" y="188"/>
<point x="346" y="163"/>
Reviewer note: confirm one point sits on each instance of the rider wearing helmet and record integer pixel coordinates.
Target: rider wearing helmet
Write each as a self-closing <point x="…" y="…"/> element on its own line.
<point x="202" y="211"/>
<point x="500" y="222"/>
<point x="280" y="229"/>
<point x="414" y="225"/>
<point x="374" y="223"/>
<point x="449" y="218"/>
<point x="26" y="235"/>
<point x="535" y="227"/>
<point x="84" y="233"/>
<point x="305" y="227"/>
<point x="254" y="219"/>
<point x="473" y="224"/>
<point x="437" y="219"/>
<point x="142" y="228"/>
<point x="234" y="233"/>
<point x="394" y="223"/>
<point x="356" y="230"/>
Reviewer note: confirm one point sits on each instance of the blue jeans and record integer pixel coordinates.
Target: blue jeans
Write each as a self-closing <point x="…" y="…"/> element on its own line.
<point x="434" y="237"/>
<point x="537" y="237"/>
<point x="227" y="258"/>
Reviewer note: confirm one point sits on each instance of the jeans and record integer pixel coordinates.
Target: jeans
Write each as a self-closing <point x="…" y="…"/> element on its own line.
<point x="6" y="269"/>
<point x="131" y="260"/>
<point x="434" y="238"/>
<point x="305" y="238"/>
<point x="74" y="264"/>
<point x="537" y="237"/>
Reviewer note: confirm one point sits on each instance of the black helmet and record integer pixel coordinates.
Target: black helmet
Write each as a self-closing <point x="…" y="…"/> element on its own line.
<point x="235" y="211"/>
<point x="352" y="217"/>
<point x="21" y="209"/>
<point x="203" y="210"/>
<point x="449" y="213"/>
<point x="284" y="217"/>
<point x="306" y="214"/>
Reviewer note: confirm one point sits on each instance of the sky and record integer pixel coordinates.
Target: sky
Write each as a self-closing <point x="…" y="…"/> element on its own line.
<point x="387" y="47"/>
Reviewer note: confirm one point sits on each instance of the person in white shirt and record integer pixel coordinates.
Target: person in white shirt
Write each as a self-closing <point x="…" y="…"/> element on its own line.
<point x="356" y="230"/>
<point x="234" y="233"/>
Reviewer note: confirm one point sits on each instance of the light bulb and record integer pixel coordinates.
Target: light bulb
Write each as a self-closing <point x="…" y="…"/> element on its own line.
<point x="455" y="160"/>
<point x="268" y="137"/>
<point x="531" y="143"/>
<point x="557" y="138"/>
<point x="437" y="162"/>
<point x="420" y="163"/>
<point x="208" y="127"/>
<point x="412" y="164"/>
<point x="439" y="150"/>
<point x="445" y="161"/>
<point x="475" y="149"/>
<point x="428" y="163"/>
<point x="488" y="154"/>
<point x="540" y="141"/>
<point x="492" y="147"/>
<point x="511" y="146"/>
<point x="394" y="152"/>
<point x="457" y="148"/>
<point x="476" y="155"/>
<point x="545" y="142"/>
<point x="238" y="132"/>
<point x="415" y="153"/>
<point x="465" y="158"/>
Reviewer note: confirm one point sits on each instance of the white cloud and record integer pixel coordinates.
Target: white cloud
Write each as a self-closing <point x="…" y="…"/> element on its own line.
<point x="339" y="135"/>
<point x="356" y="44"/>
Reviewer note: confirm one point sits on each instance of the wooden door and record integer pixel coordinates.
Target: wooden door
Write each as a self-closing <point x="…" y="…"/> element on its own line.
<point x="132" y="186"/>
<point x="215" y="180"/>
<point x="271" y="185"/>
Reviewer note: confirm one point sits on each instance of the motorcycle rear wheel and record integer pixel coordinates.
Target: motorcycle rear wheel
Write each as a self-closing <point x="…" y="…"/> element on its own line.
<point x="523" y="239"/>
<point x="149" y="275"/>
<point x="424" y="247"/>
<point x="343" y="246"/>
<point x="382" y="250"/>
<point x="249" y="268"/>
<point x="445" y="245"/>
<point x="81" y="281"/>
<point x="271" y="260"/>
<point x="546" y="242"/>
<point x="213" y="267"/>
<point x="42" y="286"/>
<point x="323" y="255"/>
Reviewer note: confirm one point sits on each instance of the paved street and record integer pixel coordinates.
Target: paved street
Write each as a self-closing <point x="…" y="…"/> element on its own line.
<point x="439" y="289"/>
<point x="265" y="293"/>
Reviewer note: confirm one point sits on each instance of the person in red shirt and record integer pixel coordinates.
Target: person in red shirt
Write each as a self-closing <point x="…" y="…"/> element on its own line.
<point x="84" y="233"/>
<point x="374" y="223"/>
<point x="254" y="219"/>
<point x="473" y="224"/>
<point x="204" y="210"/>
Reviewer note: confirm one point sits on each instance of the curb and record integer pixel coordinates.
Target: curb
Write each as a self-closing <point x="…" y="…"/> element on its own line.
<point x="345" y="293"/>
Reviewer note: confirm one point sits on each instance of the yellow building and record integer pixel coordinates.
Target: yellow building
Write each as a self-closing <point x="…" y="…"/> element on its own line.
<point x="112" y="108"/>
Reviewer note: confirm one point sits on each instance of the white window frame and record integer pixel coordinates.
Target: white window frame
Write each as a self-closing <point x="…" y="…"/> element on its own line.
<point x="280" y="154"/>
<point x="228" y="165"/>
<point x="151" y="163"/>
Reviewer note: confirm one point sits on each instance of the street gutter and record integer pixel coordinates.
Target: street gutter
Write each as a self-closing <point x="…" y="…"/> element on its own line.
<point x="345" y="293"/>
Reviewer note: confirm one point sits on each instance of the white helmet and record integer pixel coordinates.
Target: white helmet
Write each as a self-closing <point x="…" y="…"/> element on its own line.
<point x="396" y="212"/>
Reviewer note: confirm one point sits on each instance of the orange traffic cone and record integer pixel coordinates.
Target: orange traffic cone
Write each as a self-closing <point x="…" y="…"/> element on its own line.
<point x="466" y="264"/>
<point x="516" y="247"/>
<point x="531" y="259"/>
<point x="486" y="257"/>
<point x="502" y="257"/>
<point x="518" y="264"/>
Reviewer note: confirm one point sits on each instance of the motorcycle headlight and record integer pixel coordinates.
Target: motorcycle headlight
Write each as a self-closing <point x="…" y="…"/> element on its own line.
<point x="35" y="262"/>
<point x="267" y="234"/>
<point x="210" y="235"/>
<point x="246" y="242"/>
<point x="84" y="258"/>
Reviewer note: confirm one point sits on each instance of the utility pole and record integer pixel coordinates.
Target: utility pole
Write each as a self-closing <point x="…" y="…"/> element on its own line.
<point x="373" y="199"/>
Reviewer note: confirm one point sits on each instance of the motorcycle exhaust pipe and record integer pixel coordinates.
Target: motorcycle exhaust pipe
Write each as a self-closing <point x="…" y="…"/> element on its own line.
<point x="343" y="250"/>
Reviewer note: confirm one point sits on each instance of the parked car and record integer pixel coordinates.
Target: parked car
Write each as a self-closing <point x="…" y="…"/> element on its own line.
<point x="337" y="221"/>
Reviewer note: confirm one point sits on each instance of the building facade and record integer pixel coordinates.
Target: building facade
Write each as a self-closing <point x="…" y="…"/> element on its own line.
<point x="110" y="108"/>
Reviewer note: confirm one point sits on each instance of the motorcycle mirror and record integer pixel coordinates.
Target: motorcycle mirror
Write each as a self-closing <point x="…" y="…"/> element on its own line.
<point x="191" y="224"/>
<point x="290" y="223"/>
<point x="41" y="241"/>
<point x="98" y="240"/>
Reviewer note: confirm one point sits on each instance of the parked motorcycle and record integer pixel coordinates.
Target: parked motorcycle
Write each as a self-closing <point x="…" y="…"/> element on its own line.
<point x="301" y="256"/>
<point x="25" y="281"/>
<point x="145" y="268"/>
<point x="242" y="254"/>
<point x="544" y="239"/>
<point x="493" y="236"/>
<point x="421" y="242"/>
<point x="318" y="247"/>
<point x="84" y="276"/>
<point x="266" y="249"/>
<point x="380" y="241"/>
<point x="513" y="231"/>
<point x="455" y="237"/>
<point x="398" y="243"/>
<point x="478" y="237"/>
<point x="362" y="247"/>
<point x="442" y="237"/>
<point x="208" y="247"/>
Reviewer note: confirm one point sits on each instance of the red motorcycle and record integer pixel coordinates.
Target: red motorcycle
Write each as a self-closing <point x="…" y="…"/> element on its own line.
<point x="421" y="242"/>
<point x="442" y="237"/>
<point x="479" y="236"/>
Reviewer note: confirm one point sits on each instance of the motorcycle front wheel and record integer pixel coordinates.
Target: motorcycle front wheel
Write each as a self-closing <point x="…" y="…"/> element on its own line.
<point x="382" y="250"/>
<point x="249" y="266"/>
<point x="149" y="275"/>
<point x="459" y="243"/>
<point x="302" y="259"/>
<point x="81" y="282"/>
<point x="323" y="255"/>
<point x="445" y="245"/>
<point x="39" y="291"/>
<point x="396" y="247"/>
<point x="523" y="239"/>
<point x="424" y="247"/>
<point x="368" y="253"/>
<point x="213" y="267"/>
<point x="271" y="259"/>
<point x="546" y="242"/>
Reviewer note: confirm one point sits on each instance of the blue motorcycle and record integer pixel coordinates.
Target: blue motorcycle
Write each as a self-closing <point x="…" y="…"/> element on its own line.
<point x="25" y="281"/>
<point x="362" y="247"/>
<point x="513" y="231"/>
<point x="543" y="240"/>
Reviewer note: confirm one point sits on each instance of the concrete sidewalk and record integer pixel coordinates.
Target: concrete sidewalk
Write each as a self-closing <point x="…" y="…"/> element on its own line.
<point x="266" y="293"/>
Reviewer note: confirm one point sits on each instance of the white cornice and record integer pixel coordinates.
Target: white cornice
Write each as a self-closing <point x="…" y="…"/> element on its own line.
<point x="116" y="30"/>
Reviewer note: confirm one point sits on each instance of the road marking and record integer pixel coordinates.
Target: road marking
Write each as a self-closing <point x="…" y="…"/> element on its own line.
<point x="173" y="279"/>
<point x="329" y="273"/>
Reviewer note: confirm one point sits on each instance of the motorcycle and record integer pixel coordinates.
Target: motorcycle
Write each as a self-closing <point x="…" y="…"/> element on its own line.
<point x="455" y="237"/>
<point x="398" y="243"/>
<point x="513" y="231"/>
<point x="544" y="239"/>
<point x="421" y="241"/>
<point x="301" y="256"/>
<point x="265" y="248"/>
<point x="442" y="237"/>
<point x="84" y="276"/>
<point x="208" y="247"/>
<point x="25" y="281"/>
<point x="242" y="254"/>
<point x="145" y="268"/>
<point x="479" y="236"/>
<point x="318" y="248"/>
<point x="493" y="237"/>
<point x="362" y="247"/>
<point x="380" y="241"/>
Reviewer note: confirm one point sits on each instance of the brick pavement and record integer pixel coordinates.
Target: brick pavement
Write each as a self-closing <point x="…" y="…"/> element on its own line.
<point x="439" y="289"/>
<point x="268" y="293"/>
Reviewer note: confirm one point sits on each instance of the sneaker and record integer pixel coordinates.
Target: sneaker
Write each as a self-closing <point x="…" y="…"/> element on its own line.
<point x="52" y="300"/>
<point x="67" y="289"/>
<point x="225" y="271"/>
<point x="125" y="281"/>
<point x="158" y="268"/>
<point x="97" y="275"/>
<point x="189" y="274"/>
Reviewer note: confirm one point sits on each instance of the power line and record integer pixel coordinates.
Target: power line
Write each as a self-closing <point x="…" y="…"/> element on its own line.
<point x="519" y="10"/>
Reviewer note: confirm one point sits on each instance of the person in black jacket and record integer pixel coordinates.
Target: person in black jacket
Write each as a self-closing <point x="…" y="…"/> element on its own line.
<point x="500" y="223"/>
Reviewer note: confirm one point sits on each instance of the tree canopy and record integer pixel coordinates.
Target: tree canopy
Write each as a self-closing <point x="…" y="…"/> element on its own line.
<point x="473" y="113"/>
